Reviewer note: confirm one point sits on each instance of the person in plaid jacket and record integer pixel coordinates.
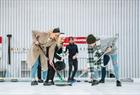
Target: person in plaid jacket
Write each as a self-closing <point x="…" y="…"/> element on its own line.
<point x="92" y="51"/>
<point x="106" y="52"/>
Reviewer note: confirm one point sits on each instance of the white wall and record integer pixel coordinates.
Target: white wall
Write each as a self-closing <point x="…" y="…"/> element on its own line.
<point x="76" y="18"/>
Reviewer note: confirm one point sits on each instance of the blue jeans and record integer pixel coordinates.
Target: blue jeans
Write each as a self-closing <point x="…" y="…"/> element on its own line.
<point x="35" y="69"/>
<point x="93" y="72"/>
<point x="115" y="66"/>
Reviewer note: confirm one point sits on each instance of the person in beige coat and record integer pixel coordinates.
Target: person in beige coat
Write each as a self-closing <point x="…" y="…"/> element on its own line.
<point x="44" y="40"/>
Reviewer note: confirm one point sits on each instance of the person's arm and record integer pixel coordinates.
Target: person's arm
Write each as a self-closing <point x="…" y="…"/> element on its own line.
<point x="51" y="53"/>
<point x="57" y="56"/>
<point x="65" y="52"/>
<point x="76" y="49"/>
<point x="109" y="49"/>
<point x="75" y="56"/>
<point x="48" y="41"/>
<point x="56" y="53"/>
<point x="35" y="37"/>
<point x="111" y="45"/>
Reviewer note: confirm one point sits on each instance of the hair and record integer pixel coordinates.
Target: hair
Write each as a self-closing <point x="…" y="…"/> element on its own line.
<point x="71" y="38"/>
<point x="56" y="30"/>
<point x="91" y="39"/>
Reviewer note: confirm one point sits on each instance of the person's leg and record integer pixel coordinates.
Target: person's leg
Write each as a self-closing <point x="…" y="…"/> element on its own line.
<point x="34" y="72"/>
<point x="115" y="66"/>
<point x="44" y="66"/>
<point x="75" y="64"/>
<point x="46" y="83"/>
<point x="39" y="72"/>
<point x="45" y="77"/>
<point x="44" y="74"/>
<point x="34" y="69"/>
<point x="95" y="75"/>
<point x="51" y="73"/>
<point x="116" y="69"/>
<point x="106" y="59"/>
<point x="70" y="70"/>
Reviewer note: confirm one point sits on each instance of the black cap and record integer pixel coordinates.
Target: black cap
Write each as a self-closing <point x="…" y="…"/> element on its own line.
<point x="91" y="39"/>
<point x="57" y="30"/>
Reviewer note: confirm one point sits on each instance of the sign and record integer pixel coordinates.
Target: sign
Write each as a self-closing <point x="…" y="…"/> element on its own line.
<point x="0" y="39"/>
<point x="77" y="40"/>
<point x="81" y="43"/>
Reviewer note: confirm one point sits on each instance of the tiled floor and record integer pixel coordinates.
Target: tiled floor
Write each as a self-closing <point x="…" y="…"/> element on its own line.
<point x="81" y="88"/>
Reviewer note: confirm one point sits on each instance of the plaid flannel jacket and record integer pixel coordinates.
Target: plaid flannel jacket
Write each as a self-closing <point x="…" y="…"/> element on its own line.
<point x="91" y="57"/>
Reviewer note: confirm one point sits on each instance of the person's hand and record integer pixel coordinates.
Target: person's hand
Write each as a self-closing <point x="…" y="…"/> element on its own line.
<point x="62" y="59"/>
<point x="36" y="43"/>
<point x="65" y="54"/>
<point x="109" y="49"/>
<point x="51" y="63"/>
<point x="74" y="57"/>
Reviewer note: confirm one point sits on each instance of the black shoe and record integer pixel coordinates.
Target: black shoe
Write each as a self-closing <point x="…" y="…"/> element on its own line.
<point x="40" y="81"/>
<point x="95" y="82"/>
<point x="90" y="81"/>
<point x="73" y="80"/>
<point x="86" y="81"/>
<point x="52" y="82"/>
<point x="102" y="81"/>
<point x="69" y="80"/>
<point x="46" y="83"/>
<point x="34" y="83"/>
<point x="118" y="83"/>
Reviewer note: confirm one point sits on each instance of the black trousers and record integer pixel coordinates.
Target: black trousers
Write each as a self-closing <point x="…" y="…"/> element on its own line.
<point x="51" y="73"/>
<point x="106" y="59"/>
<point x="72" y="63"/>
<point x="39" y="70"/>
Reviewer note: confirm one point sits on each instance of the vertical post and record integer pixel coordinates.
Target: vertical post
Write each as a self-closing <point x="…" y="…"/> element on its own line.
<point x="0" y="48"/>
<point x="9" y="46"/>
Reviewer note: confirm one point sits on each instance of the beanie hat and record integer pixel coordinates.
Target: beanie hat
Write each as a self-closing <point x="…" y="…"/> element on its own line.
<point x="91" y="39"/>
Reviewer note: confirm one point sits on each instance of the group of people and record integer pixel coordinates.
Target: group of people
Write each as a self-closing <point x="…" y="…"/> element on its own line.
<point x="48" y="46"/>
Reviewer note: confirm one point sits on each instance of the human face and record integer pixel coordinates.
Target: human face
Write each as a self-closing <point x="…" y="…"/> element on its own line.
<point x="71" y="40"/>
<point x="60" y="39"/>
<point x="92" y="45"/>
<point x="55" y="36"/>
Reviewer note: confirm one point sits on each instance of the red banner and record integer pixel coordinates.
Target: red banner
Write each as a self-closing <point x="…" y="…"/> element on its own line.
<point x="77" y="40"/>
<point x="0" y="40"/>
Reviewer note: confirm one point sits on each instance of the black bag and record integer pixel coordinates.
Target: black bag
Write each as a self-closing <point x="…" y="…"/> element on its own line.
<point x="59" y="65"/>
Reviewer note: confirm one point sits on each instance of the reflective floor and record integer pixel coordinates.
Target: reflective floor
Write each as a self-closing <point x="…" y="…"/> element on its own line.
<point x="80" y="88"/>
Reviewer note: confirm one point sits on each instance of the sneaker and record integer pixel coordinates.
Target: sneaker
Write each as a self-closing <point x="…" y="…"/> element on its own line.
<point x="90" y="81"/>
<point x="52" y="82"/>
<point x="102" y="81"/>
<point x="40" y="81"/>
<point x="34" y="83"/>
<point x="73" y="80"/>
<point x="95" y="82"/>
<point x="46" y="83"/>
<point x="69" y="80"/>
<point x="118" y="83"/>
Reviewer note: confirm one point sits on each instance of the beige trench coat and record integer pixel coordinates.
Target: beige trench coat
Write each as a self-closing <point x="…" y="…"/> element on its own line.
<point x="35" y="51"/>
